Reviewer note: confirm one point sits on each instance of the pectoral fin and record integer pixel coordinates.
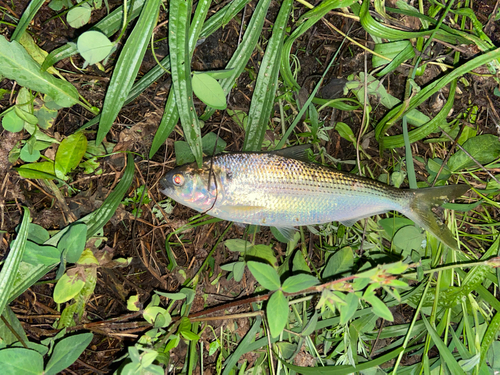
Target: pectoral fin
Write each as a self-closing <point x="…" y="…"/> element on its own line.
<point x="350" y="222"/>
<point x="287" y="232"/>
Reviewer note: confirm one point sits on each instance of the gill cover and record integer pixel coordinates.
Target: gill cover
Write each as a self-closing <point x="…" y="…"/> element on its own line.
<point x="188" y="185"/>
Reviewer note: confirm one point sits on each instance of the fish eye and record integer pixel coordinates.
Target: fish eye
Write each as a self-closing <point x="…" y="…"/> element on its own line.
<point x="178" y="179"/>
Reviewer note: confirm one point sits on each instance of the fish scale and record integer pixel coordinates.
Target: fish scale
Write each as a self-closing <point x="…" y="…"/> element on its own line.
<point x="283" y="189"/>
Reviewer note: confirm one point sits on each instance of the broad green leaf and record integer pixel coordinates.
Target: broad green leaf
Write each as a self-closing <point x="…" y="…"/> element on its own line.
<point x="184" y="154"/>
<point x="26" y="116"/>
<point x="277" y="313"/>
<point x="127" y="67"/>
<point x="267" y="81"/>
<point x="17" y="361"/>
<point x="389" y="50"/>
<point x="265" y="275"/>
<point x="12" y="122"/>
<point x="345" y="132"/>
<point x="73" y="242"/>
<point x="379" y="308"/>
<point x="69" y="154"/>
<point x="66" y="352"/>
<point x="339" y="262"/>
<point x="393" y="224"/>
<point x="79" y="15"/>
<point x="28" y="156"/>
<point x="10" y="334"/>
<point x="34" y="51"/>
<point x="347" y="312"/>
<point x="39" y="254"/>
<point x="94" y="46"/>
<point x="239" y="270"/>
<point x="157" y="316"/>
<point x="17" y="64"/>
<point x="299" y="263"/>
<point x="44" y="169"/>
<point x="67" y="287"/>
<point x="409" y="238"/>
<point x="484" y="148"/>
<point x="133" y="303"/>
<point x="37" y="233"/>
<point x="264" y="252"/>
<point x="238" y="245"/>
<point x="11" y="264"/>
<point x="208" y="144"/>
<point x="209" y="91"/>
<point x="299" y="282"/>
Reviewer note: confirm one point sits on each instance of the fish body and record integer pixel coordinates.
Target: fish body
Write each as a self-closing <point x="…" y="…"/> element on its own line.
<point x="283" y="189"/>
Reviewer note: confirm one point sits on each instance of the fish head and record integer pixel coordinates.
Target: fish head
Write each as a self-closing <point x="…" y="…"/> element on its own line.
<point x="189" y="185"/>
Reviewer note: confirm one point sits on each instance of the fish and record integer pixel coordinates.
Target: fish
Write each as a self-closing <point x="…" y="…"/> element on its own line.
<point x="283" y="189"/>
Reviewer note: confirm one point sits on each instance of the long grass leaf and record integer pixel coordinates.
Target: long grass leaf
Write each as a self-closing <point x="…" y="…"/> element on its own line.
<point x="242" y="347"/>
<point x="180" y="65"/>
<point x="377" y="29"/>
<point x="446" y="356"/>
<point x="171" y="115"/>
<point x="28" y="15"/>
<point x="210" y="26"/>
<point x="311" y="17"/>
<point x="267" y="80"/>
<point x="240" y="57"/>
<point x="432" y="88"/>
<point x="127" y="66"/>
<point x="423" y="131"/>
<point x="345" y="369"/>
<point x="11" y="264"/>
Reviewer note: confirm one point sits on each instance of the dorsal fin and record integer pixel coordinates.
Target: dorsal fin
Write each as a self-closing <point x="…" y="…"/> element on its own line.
<point x="294" y="152"/>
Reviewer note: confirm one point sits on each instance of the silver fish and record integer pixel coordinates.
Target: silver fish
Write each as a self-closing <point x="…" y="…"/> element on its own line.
<point x="283" y="189"/>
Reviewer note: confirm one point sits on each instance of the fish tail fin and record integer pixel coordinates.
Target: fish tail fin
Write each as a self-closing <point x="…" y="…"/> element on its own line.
<point x="420" y="210"/>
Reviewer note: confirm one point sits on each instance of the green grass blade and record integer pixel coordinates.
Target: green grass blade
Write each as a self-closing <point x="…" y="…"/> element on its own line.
<point x="430" y="127"/>
<point x="240" y="58"/>
<point x="11" y="264"/>
<point x="377" y="29"/>
<point x="28" y="15"/>
<point x="127" y="66"/>
<point x="242" y="347"/>
<point x="180" y="65"/>
<point x="171" y="114"/>
<point x="311" y="17"/>
<point x="433" y="87"/>
<point x="197" y="23"/>
<point x="446" y="356"/>
<point x="214" y="23"/>
<point x="345" y="369"/>
<point x="267" y="81"/>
